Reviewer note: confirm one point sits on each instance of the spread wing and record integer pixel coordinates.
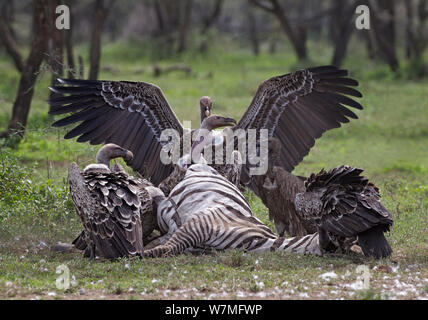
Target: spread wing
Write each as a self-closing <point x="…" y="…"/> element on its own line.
<point x="109" y="208"/>
<point x="299" y="107"/>
<point x="129" y="114"/>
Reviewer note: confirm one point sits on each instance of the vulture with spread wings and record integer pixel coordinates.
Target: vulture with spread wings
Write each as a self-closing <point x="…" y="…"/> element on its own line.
<point x="296" y="108"/>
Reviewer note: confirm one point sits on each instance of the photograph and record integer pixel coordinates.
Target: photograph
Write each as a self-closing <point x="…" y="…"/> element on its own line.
<point x="214" y="158"/>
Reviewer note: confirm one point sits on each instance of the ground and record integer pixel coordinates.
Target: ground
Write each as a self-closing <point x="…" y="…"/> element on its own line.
<point x="389" y="141"/>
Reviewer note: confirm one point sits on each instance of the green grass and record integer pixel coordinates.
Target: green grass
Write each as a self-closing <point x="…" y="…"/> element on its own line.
<point x="389" y="141"/>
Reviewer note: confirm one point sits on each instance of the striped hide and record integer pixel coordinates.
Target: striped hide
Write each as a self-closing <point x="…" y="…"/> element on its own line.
<point x="206" y="211"/>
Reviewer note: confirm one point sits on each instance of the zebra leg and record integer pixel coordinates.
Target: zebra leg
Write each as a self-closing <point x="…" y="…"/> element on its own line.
<point x="187" y="236"/>
<point x="157" y="241"/>
<point x="308" y="244"/>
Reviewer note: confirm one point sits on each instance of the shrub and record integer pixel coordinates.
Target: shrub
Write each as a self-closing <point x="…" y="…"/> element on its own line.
<point x="25" y="200"/>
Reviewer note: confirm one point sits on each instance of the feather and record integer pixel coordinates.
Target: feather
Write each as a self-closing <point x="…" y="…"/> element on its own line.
<point x="97" y="105"/>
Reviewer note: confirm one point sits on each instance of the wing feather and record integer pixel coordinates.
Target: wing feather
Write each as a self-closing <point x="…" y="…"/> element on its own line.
<point x="117" y="112"/>
<point x="299" y="107"/>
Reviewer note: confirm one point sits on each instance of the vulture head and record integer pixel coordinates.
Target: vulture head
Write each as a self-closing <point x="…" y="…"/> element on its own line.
<point x="215" y="121"/>
<point x="111" y="151"/>
<point x="205" y="104"/>
<point x="205" y="136"/>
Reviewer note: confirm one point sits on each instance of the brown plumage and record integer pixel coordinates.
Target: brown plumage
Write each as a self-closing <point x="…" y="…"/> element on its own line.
<point x="297" y="108"/>
<point x="111" y="205"/>
<point x="277" y="189"/>
<point x="346" y="204"/>
<point x="130" y="114"/>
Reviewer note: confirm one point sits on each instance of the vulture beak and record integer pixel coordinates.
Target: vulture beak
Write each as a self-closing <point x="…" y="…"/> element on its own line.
<point x="207" y="111"/>
<point x="230" y="122"/>
<point x="128" y="156"/>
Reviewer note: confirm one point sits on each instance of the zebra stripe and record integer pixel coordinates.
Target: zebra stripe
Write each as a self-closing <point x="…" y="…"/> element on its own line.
<point x="207" y="211"/>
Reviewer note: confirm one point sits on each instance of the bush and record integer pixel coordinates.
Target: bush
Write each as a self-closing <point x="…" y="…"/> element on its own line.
<point x="26" y="201"/>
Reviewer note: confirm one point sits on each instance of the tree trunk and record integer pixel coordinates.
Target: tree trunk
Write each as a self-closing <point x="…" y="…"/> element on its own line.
<point x="81" y="67"/>
<point x="21" y="106"/>
<point x="371" y="52"/>
<point x="409" y="29"/>
<point x="208" y="22"/>
<point x="95" y="51"/>
<point x="7" y="36"/>
<point x="382" y="18"/>
<point x="296" y="36"/>
<point x="252" y="30"/>
<point x="185" y="21"/>
<point x="68" y="43"/>
<point x="55" y="45"/>
<point x="416" y="38"/>
<point x="341" y="31"/>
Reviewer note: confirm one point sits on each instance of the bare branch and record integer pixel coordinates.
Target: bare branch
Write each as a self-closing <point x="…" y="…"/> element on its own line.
<point x="8" y="41"/>
<point x="211" y="19"/>
<point x="262" y="5"/>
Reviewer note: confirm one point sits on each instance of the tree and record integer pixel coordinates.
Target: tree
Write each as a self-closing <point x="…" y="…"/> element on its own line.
<point x="296" y="35"/>
<point x="7" y="36"/>
<point x="252" y="30"/>
<point x="68" y="43"/>
<point x="185" y="21"/>
<point x="55" y="46"/>
<point x="382" y="14"/>
<point x="416" y="36"/>
<point x="208" y="22"/>
<point x="100" y="14"/>
<point x="29" y="68"/>
<point x="341" y="29"/>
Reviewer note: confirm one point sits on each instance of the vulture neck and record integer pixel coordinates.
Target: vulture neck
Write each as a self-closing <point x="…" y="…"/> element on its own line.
<point x="272" y="161"/>
<point x="203" y="139"/>
<point x="106" y="153"/>
<point x="203" y="116"/>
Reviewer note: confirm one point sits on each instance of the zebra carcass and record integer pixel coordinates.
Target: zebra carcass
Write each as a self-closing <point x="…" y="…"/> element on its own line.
<point x="206" y="211"/>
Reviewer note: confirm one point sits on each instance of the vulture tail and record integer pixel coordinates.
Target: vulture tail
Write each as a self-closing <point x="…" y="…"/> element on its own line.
<point x="373" y="243"/>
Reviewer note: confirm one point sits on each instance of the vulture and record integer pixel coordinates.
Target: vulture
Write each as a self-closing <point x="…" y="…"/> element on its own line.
<point x="205" y="137"/>
<point x="111" y="206"/>
<point x="296" y="108"/>
<point x="277" y="190"/>
<point x="344" y="203"/>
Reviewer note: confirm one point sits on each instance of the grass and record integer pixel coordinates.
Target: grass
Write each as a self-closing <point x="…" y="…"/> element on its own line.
<point x="389" y="141"/>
